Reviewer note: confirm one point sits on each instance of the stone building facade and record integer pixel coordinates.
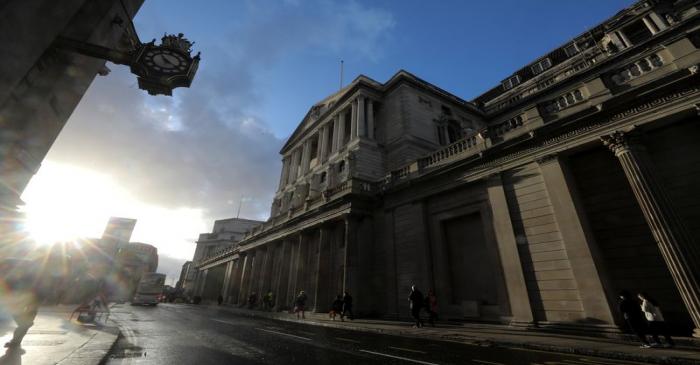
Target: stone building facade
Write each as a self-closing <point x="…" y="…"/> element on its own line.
<point x="225" y="235"/>
<point x="533" y="204"/>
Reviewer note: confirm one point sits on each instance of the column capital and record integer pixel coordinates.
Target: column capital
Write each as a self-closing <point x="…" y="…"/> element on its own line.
<point x="620" y="142"/>
<point x="548" y="158"/>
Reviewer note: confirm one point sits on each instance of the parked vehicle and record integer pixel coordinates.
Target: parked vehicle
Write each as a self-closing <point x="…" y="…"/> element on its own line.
<point x="149" y="290"/>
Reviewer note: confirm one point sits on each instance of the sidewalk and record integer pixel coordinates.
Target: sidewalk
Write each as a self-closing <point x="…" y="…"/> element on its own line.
<point x="501" y="336"/>
<point x="55" y="340"/>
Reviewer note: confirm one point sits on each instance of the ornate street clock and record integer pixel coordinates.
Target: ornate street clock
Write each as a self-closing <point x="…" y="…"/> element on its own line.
<point x="166" y="66"/>
<point x="160" y="68"/>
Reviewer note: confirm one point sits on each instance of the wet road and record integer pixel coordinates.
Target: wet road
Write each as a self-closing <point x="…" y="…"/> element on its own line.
<point x="184" y="334"/>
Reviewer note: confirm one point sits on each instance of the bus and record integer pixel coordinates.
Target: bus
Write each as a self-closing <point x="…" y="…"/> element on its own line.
<point x="149" y="289"/>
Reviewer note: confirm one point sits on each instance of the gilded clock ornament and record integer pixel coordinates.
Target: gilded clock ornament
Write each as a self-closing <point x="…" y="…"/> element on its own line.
<point x="160" y="68"/>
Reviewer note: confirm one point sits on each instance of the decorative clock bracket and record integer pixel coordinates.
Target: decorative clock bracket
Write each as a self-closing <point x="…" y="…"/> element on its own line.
<point x="159" y="68"/>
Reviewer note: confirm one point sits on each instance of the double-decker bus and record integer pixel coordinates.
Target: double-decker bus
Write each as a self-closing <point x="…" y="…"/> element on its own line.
<point x="149" y="289"/>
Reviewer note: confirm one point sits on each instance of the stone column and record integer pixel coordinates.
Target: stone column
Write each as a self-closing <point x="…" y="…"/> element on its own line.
<point x="294" y="165"/>
<point x="341" y="130"/>
<point x="305" y="157"/>
<point x="225" y="287"/>
<point x="285" y="173"/>
<point x="677" y="247"/>
<point x="350" y="257"/>
<point x="370" y="118"/>
<point x="336" y="130"/>
<point x="650" y="25"/>
<point x="235" y="283"/>
<point x="361" y="120"/>
<point x="323" y="143"/>
<point x="283" y="275"/>
<point x="508" y="250"/>
<point x="317" y="270"/>
<point x="353" y="120"/>
<point x="245" y="277"/>
<point x="578" y="240"/>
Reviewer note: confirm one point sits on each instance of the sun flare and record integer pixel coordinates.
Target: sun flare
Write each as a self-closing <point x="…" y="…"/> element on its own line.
<point x="66" y="203"/>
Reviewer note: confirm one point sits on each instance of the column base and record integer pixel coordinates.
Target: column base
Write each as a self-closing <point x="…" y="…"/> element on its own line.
<point x="696" y="333"/>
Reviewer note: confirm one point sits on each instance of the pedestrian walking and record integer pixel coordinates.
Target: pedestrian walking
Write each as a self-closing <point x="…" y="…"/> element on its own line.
<point x="632" y="313"/>
<point x="20" y="278"/>
<point x="269" y="301"/>
<point x="220" y="299"/>
<point x="252" y="300"/>
<point x="347" y="307"/>
<point x="415" y="302"/>
<point x="656" y="325"/>
<point x="300" y="304"/>
<point x="431" y="307"/>
<point x="336" y="307"/>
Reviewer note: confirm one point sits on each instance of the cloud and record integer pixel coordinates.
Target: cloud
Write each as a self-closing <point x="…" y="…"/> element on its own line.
<point x="206" y="147"/>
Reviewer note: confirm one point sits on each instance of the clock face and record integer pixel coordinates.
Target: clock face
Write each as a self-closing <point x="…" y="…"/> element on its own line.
<point x="165" y="61"/>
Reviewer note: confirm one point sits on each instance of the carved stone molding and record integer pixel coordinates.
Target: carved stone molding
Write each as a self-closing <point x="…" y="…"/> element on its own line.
<point x="619" y="142"/>
<point x="547" y="159"/>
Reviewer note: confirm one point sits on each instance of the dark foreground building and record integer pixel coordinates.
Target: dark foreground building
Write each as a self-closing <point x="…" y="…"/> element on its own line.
<point x="533" y="204"/>
<point x="41" y="84"/>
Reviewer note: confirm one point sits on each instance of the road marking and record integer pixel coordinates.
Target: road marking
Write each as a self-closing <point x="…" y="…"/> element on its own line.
<point x="398" y="357"/>
<point x="487" y="362"/>
<point x="227" y="322"/>
<point x="284" y="334"/>
<point x="409" y="350"/>
<point x="347" y="340"/>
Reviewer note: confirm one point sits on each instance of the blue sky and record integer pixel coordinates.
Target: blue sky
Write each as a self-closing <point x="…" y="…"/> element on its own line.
<point x="465" y="47"/>
<point x="177" y="163"/>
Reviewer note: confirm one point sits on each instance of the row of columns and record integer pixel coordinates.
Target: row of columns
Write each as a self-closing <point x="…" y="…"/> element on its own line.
<point x="677" y="246"/>
<point x="321" y="262"/>
<point x="331" y="138"/>
<point x="675" y="243"/>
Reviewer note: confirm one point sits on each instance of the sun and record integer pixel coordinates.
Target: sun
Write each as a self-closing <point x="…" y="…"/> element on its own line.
<point x="64" y="203"/>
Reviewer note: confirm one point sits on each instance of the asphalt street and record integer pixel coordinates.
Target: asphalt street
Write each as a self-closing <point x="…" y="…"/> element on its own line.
<point x="186" y="334"/>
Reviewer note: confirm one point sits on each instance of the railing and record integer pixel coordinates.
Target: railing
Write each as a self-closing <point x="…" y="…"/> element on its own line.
<point x="457" y="148"/>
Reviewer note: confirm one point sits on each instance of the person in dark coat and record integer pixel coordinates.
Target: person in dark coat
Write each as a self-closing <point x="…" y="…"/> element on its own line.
<point x="415" y="301"/>
<point x="252" y="300"/>
<point x="220" y="299"/>
<point x="631" y="311"/>
<point x="300" y="304"/>
<point x="336" y="307"/>
<point x="347" y="307"/>
<point x="656" y="325"/>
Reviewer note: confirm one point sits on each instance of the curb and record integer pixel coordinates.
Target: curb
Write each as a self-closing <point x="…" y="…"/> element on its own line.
<point x="95" y="350"/>
<point x="482" y="341"/>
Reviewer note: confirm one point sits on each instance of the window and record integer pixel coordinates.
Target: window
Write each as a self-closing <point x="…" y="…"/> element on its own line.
<point x="571" y="49"/>
<point x="322" y="178"/>
<point x="329" y="142"/>
<point x="511" y="82"/>
<point x="637" y="32"/>
<point x="441" y="135"/>
<point x="341" y="166"/>
<point x="454" y="131"/>
<point x="540" y="66"/>
<point x="446" y="110"/>
<point x="348" y="126"/>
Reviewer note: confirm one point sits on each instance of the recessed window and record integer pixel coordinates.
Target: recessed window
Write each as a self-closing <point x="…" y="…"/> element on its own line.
<point x="511" y="82"/>
<point x="637" y="32"/>
<point x="341" y="166"/>
<point x="540" y="66"/>
<point x="571" y="49"/>
<point x="323" y="177"/>
<point x="446" y="110"/>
